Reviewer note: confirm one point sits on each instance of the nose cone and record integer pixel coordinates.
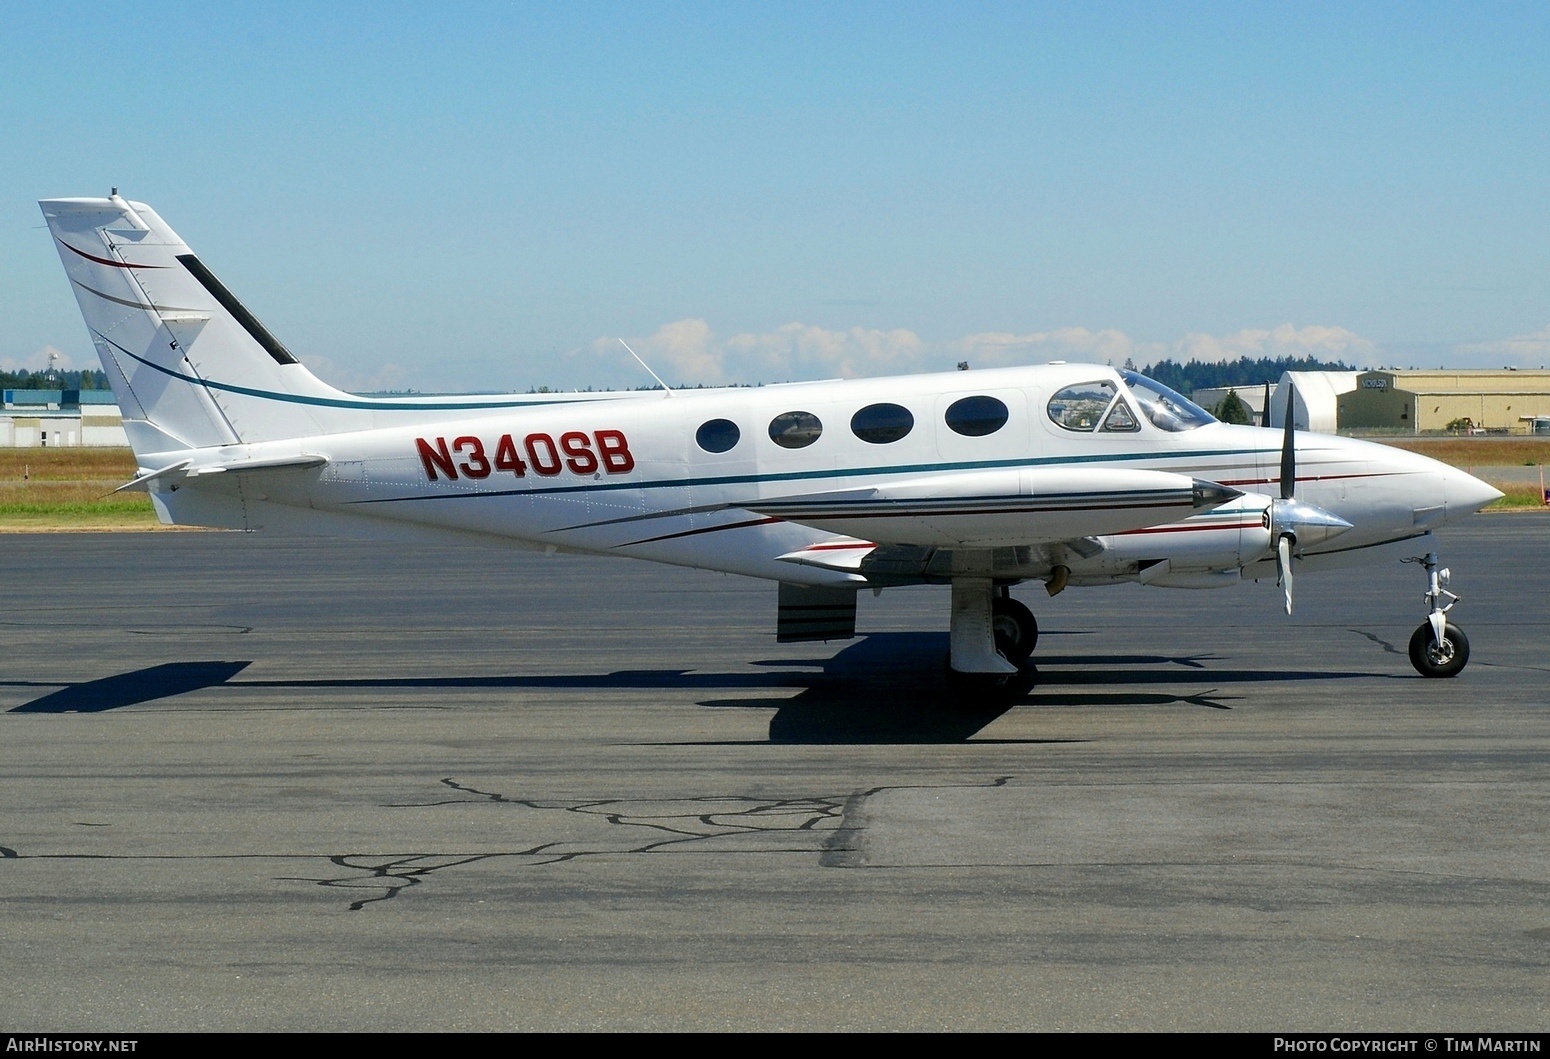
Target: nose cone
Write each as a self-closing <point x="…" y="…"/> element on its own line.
<point x="1466" y="493"/>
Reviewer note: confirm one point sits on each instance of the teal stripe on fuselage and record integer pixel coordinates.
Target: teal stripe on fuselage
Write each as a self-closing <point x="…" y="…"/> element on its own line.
<point x="366" y="404"/>
<point x="800" y="476"/>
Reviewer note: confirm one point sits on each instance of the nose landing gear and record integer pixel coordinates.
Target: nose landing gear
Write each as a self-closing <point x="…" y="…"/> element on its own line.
<point x="1438" y="648"/>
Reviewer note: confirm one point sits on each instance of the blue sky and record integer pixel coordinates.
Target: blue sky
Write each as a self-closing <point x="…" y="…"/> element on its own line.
<point x="484" y="197"/>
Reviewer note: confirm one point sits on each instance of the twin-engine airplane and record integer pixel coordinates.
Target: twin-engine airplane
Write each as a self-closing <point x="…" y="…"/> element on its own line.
<point x="1073" y="474"/>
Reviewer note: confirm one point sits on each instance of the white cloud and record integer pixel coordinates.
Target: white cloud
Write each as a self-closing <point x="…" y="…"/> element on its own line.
<point x="800" y="351"/>
<point x="39" y="361"/>
<point x="686" y="349"/>
<point x="382" y="378"/>
<point x="1325" y="343"/>
<point x="1519" y="351"/>
<point x="997" y="349"/>
<point x="690" y="351"/>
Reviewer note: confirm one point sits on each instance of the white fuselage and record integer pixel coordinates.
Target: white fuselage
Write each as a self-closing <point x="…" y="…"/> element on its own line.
<point x="626" y="476"/>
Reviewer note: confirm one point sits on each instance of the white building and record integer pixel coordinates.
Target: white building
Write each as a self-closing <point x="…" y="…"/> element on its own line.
<point x="1314" y="403"/>
<point x="31" y="419"/>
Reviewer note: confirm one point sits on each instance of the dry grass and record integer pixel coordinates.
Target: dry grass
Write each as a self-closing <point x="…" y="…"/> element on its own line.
<point x="39" y="504"/>
<point x="53" y="489"/>
<point x="67" y="465"/>
<point x="1518" y="497"/>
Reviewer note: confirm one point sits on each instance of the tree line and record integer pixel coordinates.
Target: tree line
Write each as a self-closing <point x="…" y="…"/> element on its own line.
<point x="53" y="380"/>
<point x="1243" y="372"/>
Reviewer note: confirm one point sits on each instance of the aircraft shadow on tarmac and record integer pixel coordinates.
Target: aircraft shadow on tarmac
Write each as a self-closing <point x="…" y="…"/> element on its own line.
<point x="884" y="688"/>
<point x="892" y="688"/>
<point x="130" y="689"/>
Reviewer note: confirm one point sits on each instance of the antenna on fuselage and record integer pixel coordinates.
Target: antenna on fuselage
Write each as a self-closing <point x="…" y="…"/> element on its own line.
<point x="668" y="390"/>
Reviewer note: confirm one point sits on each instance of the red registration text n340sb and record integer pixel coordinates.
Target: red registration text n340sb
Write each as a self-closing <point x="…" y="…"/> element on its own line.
<point x="605" y="450"/>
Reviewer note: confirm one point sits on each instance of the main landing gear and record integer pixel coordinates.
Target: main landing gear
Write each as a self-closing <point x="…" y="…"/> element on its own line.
<point x="1438" y="648"/>
<point x="992" y="636"/>
<point x="1016" y="629"/>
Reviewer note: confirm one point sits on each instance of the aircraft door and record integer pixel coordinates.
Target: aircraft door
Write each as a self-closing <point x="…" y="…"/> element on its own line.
<point x="719" y="454"/>
<point x="660" y="467"/>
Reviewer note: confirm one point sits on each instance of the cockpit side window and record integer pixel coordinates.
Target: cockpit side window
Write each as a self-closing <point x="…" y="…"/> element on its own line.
<point x="1120" y="420"/>
<point x="1081" y="407"/>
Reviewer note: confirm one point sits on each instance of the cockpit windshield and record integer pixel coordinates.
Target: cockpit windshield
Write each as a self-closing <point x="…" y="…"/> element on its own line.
<point x="1166" y="409"/>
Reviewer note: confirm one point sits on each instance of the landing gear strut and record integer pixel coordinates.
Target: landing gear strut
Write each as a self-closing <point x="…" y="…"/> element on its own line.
<point x="1438" y="648"/>
<point x="992" y="636"/>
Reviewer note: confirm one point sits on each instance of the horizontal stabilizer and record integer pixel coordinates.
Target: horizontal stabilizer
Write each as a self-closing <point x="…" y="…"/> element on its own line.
<point x="142" y="483"/>
<point x="193" y="468"/>
<point x="279" y="463"/>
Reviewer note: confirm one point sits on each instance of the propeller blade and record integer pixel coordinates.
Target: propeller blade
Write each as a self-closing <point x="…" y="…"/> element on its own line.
<point x="1289" y="450"/>
<point x="1284" y="568"/>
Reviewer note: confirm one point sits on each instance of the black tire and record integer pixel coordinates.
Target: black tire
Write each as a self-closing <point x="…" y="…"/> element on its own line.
<point x="1016" y="629"/>
<point x="1431" y="659"/>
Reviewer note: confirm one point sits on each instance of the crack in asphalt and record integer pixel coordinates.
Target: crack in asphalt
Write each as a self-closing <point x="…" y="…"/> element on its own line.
<point x="1511" y="665"/>
<point x="1390" y="648"/>
<point x="669" y="822"/>
<point x="827" y="825"/>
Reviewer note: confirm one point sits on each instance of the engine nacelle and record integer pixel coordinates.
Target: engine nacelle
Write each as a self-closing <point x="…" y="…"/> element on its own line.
<point x="1206" y="550"/>
<point x="1004" y="508"/>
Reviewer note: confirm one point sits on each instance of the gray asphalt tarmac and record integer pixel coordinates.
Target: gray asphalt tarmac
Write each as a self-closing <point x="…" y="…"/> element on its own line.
<point x="277" y="785"/>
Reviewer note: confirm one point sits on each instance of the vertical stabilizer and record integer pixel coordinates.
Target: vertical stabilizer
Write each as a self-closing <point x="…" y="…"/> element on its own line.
<point x="190" y="365"/>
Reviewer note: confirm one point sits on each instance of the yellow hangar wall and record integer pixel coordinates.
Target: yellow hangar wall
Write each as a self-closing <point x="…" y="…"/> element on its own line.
<point x="1421" y="401"/>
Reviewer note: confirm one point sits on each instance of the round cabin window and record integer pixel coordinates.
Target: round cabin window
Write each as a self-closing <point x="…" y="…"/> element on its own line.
<point x="795" y="430"/>
<point x="880" y="424"/>
<point x="975" y="417"/>
<point x="717" y="435"/>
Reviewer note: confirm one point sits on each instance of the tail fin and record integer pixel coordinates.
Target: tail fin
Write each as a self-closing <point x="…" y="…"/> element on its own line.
<point x="190" y="366"/>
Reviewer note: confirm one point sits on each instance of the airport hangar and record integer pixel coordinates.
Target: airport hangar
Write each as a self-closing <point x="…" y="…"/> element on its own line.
<point x="1404" y="401"/>
<point x="33" y="419"/>
<point x="1510" y="401"/>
